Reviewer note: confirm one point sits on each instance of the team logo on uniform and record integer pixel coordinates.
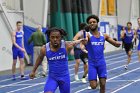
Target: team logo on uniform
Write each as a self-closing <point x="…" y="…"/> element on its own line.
<point x="58" y="57"/>
<point x="19" y="35"/>
<point x="97" y="43"/>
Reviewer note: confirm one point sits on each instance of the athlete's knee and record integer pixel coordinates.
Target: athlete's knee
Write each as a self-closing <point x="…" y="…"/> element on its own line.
<point x="22" y="63"/>
<point x="77" y="61"/>
<point x="102" y="82"/>
<point x="14" y="62"/>
<point x="93" y="84"/>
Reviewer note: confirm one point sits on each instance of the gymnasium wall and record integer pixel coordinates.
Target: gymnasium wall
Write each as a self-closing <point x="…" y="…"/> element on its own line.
<point x="5" y="46"/>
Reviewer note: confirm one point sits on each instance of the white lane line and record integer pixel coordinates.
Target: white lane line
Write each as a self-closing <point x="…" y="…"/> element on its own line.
<point x="112" y="78"/>
<point x="70" y="75"/>
<point x="123" y="74"/>
<point x="123" y="66"/>
<point x="121" y="81"/>
<point x="24" y="88"/>
<point x="69" y="69"/>
<point x="110" y="55"/>
<point x="22" y="84"/>
<point x="114" y="55"/>
<point x="82" y="72"/>
<point x="126" y="86"/>
<point x="122" y="61"/>
<point x="112" y="70"/>
<point x="11" y="78"/>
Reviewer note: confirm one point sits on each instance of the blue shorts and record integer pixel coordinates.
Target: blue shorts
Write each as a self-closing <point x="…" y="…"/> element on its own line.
<point x="97" y="69"/>
<point x="17" y="53"/>
<point x="77" y="52"/>
<point x="52" y="84"/>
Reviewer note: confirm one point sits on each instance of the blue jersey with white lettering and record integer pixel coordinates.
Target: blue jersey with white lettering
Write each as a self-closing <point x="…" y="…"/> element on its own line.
<point x="95" y="47"/>
<point x="18" y="37"/>
<point x="128" y="37"/>
<point x="58" y="61"/>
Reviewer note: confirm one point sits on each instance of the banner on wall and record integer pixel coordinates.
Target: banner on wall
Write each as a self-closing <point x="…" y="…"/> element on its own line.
<point x="119" y="32"/>
<point x="104" y="27"/>
<point x="27" y="33"/>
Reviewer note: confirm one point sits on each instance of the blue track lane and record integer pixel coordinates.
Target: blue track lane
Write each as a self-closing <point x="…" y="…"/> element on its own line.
<point x="119" y="80"/>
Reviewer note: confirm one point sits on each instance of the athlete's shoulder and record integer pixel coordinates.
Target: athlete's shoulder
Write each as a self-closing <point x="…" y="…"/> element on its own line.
<point x="88" y="34"/>
<point x="77" y="36"/>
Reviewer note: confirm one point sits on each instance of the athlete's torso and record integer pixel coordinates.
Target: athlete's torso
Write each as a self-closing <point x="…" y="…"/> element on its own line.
<point x="18" y="38"/>
<point x="95" y="47"/>
<point x="128" y="37"/>
<point x="58" y="61"/>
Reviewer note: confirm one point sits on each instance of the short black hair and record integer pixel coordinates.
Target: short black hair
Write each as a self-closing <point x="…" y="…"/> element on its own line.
<point x="18" y="22"/>
<point x="93" y="16"/>
<point x="82" y="26"/>
<point x="129" y="23"/>
<point x="62" y="31"/>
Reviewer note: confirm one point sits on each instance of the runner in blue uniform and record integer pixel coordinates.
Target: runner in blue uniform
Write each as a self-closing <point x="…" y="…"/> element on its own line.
<point x="95" y="47"/>
<point x="56" y="52"/>
<point x="138" y="36"/>
<point x="128" y="36"/>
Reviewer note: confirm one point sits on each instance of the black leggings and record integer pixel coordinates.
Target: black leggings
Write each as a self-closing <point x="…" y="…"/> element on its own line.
<point x="84" y="57"/>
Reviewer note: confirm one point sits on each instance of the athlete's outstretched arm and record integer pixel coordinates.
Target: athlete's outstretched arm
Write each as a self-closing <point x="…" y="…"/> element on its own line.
<point x="71" y="44"/>
<point x="110" y="40"/>
<point x="38" y="61"/>
<point x="77" y="36"/>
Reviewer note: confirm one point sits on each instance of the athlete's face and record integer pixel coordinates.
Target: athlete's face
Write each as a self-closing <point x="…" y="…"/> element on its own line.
<point x="55" y="39"/>
<point x="129" y="26"/>
<point x="19" y="26"/>
<point x="93" y="24"/>
<point x="139" y="21"/>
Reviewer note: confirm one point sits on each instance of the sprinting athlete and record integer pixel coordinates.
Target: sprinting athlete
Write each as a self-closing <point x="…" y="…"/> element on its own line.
<point x="56" y="52"/>
<point x="95" y="47"/>
<point x="79" y="54"/>
<point x="138" y="36"/>
<point x="128" y="36"/>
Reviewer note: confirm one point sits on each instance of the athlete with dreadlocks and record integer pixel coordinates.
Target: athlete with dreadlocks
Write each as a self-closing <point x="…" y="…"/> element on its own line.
<point x="56" y="52"/>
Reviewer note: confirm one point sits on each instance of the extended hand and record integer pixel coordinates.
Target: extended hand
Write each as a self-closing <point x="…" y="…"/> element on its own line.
<point x="117" y="44"/>
<point x="84" y="41"/>
<point x="32" y="75"/>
